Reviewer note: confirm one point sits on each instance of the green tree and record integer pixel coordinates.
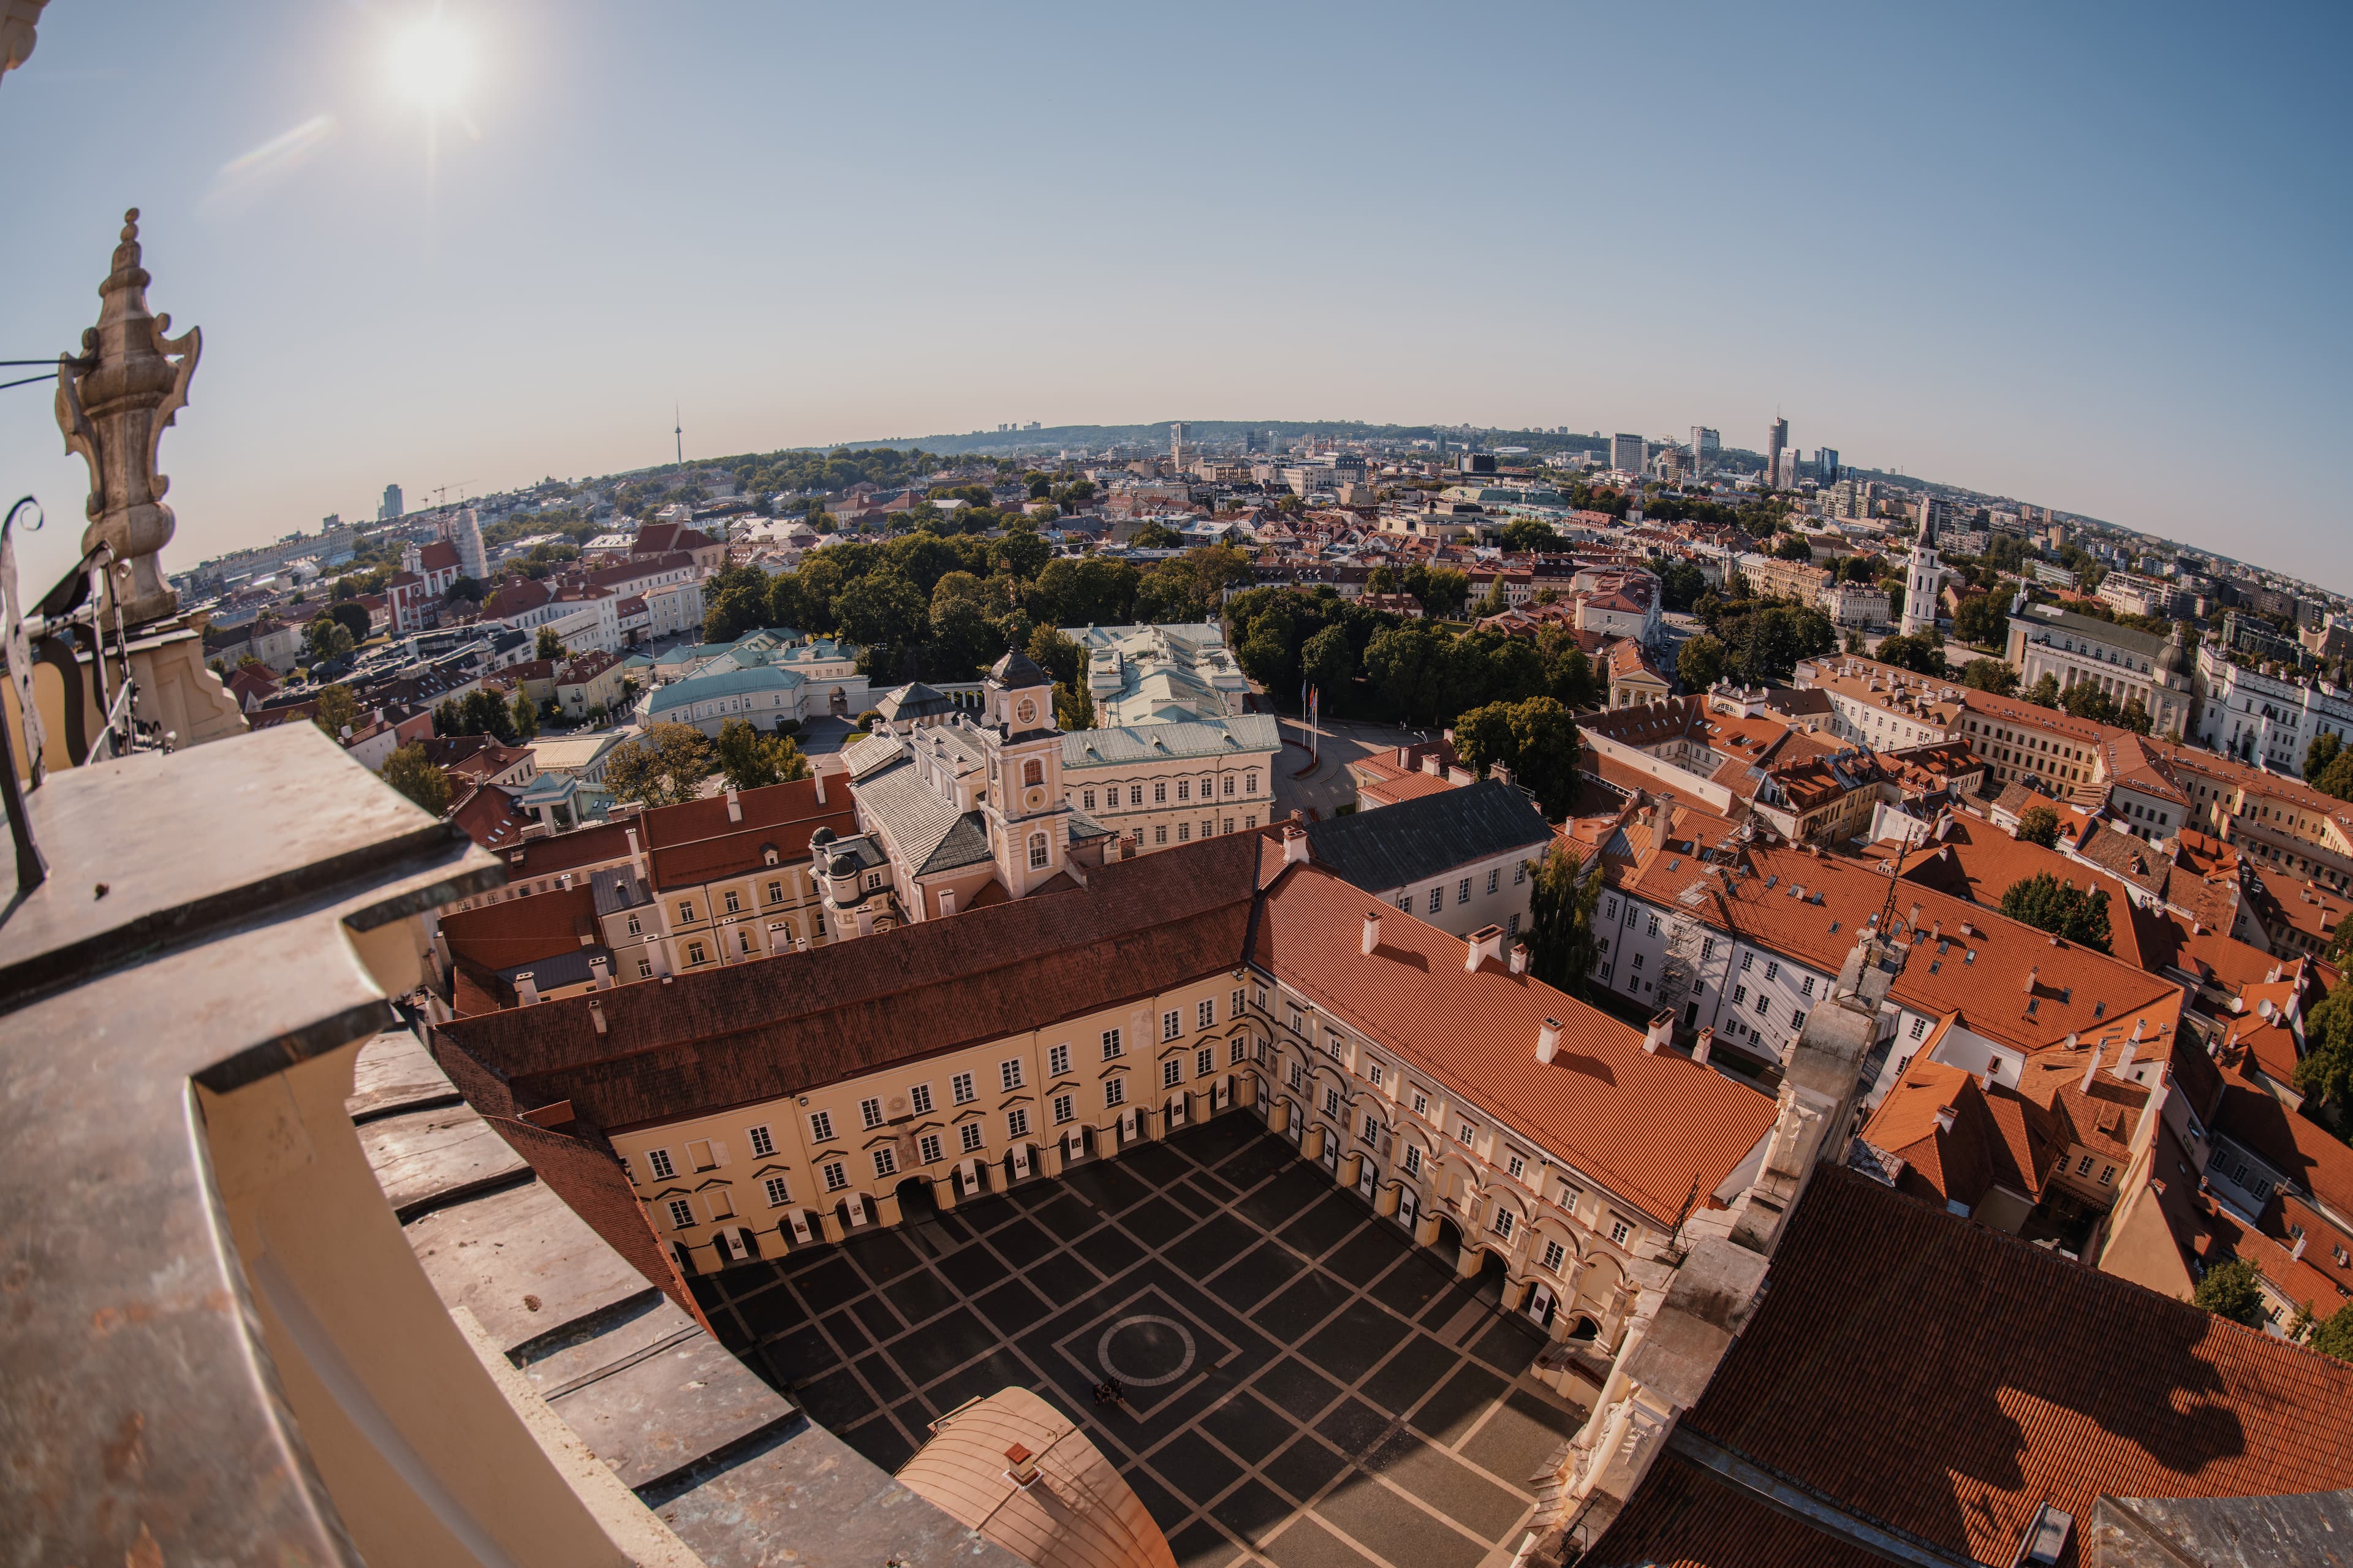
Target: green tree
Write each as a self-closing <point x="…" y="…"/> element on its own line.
<point x="355" y="619"/>
<point x="2333" y="1335"/>
<point x="327" y="637"/>
<point x="1537" y="738"/>
<point x="2321" y="752"/>
<point x="2084" y="700"/>
<point x="1793" y="548"/>
<point x="1444" y="591"/>
<point x="2039" y="825"/>
<point x="1982" y="619"/>
<point x="663" y="766"/>
<point x="1681" y="583"/>
<point x="882" y="607"/>
<point x="2044" y="693"/>
<point x="2234" y="1290"/>
<point x="2325" y="1070"/>
<point x="2046" y="903"/>
<point x="1989" y="674"/>
<point x="1021" y="553"/>
<point x="1700" y="663"/>
<point x="414" y="774"/>
<point x="1381" y="579"/>
<point x="1074" y="707"/>
<point x="1560" y="912"/>
<point x="1921" y="655"/>
<point x="548" y="646"/>
<point x="337" y="707"/>
<point x="752" y="759"/>
<point x="1525" y="533"/>
<point x="734" y="601"/>
<point x="1328" y="661"/>
<point x="523" y="716"/>
<point x="1157" y="536"/>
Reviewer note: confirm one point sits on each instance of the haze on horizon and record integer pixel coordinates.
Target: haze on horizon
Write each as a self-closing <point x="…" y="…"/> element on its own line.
<point x="2088" y="259"/>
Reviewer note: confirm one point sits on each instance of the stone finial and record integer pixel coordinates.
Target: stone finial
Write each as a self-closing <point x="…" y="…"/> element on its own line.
<point x="17" y="20"/>
<point x="113" y="402"/>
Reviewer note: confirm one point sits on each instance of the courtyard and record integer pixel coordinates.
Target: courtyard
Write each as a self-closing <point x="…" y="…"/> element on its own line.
<point x="1303" y="1386"/>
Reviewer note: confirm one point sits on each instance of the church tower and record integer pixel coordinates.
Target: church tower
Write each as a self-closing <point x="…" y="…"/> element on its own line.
<point x="1029" y="821"/>
<point x="1924" y="579"/>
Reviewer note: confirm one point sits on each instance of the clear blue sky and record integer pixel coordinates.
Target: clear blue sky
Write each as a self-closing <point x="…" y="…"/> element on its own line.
<point x="2091" y="257"/>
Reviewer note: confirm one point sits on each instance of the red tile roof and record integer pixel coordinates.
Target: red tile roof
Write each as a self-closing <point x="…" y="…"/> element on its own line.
<point x="697" y="841"/>
<point x="1942" y="1379"/>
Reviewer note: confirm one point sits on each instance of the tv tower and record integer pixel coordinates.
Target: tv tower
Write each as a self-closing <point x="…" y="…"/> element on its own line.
<point x="679" y="432"/>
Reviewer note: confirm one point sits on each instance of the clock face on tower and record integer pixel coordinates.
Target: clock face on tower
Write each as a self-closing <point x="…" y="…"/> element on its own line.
<point x="1025" y="712"/>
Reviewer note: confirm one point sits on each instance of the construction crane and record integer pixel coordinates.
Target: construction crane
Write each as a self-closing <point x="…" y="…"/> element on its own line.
<point x="441" y="494"/>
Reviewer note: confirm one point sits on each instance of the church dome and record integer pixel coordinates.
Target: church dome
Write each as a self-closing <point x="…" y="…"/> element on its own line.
<point x="1017" y="668"/>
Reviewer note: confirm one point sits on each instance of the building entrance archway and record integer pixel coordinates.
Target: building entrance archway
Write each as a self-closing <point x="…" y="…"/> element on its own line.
<point x="1494" y="1275"/>
<point x="917" y="1201"/>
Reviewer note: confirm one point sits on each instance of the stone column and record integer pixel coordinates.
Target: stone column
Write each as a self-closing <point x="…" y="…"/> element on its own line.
<point x="1425" y="1230"/>
<point x="1245" y="1090"/>
<point x="1385" y="1201"/>
<point x="944" y="1193"/>
<point x="828" y="1220"/>
<point x="1467" y="1265"/>
<point x="1516" y="1293"/>
<point x="1278" y="1119"/>
<point x="1351" y="1167"/>
<point x="886" y="1208"/>
<point x="1050" y="1158"/>
<point x="1311" y="1146"/>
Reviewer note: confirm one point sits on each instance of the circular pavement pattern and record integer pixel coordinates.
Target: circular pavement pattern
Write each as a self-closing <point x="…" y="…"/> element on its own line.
<point x="1155" y="1348"/>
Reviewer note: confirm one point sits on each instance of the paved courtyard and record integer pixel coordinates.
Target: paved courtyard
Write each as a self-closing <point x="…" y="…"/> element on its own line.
<point x="1305" y="1387"/>
<point x="1329" y="787"/>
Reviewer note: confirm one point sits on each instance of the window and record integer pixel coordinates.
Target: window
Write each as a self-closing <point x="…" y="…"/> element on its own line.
<point x="1036" y="852"/>
<point x="1010" y="1073"/>
<point x="1160" y="795"/>
<point x="1808" y="988"/>
<point x="835" y="1178"/>
<point x="1462" y="891"/>
<point x="1772" y="972"/>
<point x="1135" y="795"/>
<point x="1609" y="911"/>
<point x="1740" y="996"/>
<point x="1437" y="899"/>
<point x="1421" y="1104"/>
<point x="735" y="904"/>
<point x="1797" y="1018"/>
<point x="762" y="1144"/>
<point x="685" y="910"/>
<point x="659" y="1160"/>
<point x="1412" y="1161"/>
<point x="1372" y="1070"/>
<point x="1331" y="1102"/>
<point x="1236" y="1050"/>
<point x="778" y="1195"/>
<point x="1494" y="878"/>
<point x="1504" y="1221"/>
<point x="1204" y="1062"/>
<point x="886" y="1163"/>
<point x="1033" y="771"/>
<point x="1249" y="783"/>
<point x="1519" y="873"/>
<point x="1184" y="789"/>
<point x="776" y="892"/>
<point x="1109" y="1043"/>
<point x="1553" y="1255"/>
<point x="1405" y="902"/>
<point x="920" y="1097"/>
<point x="1115" y="1093"/>
<point x="969" y="1134"/>
<point x="1652" y="926"/>
<point x="1748" y="961"/>
<point x="1706" y="949"/>
<point x="1172" y="1023"/>
<point x="1172" y="1073"/>
<point x="870" y="1112"/>
<point x="682" y="1214"/>
<point x="1063" y="1109"/>
<point x="927" y="1148"/>
<point x="1088" y="800"/>
<point x="635" y="928"/>
<point x="1465" y="1133"/>
<point x="695" y="954"/>
<point x="1512" y="926"/>
<point x="1517" y="1167"/>
<point x="1160" y="834"/>
<point x="1620" y="1230"/>
<point x="2107" y="1175"/>
<point x="1204" y="1014"/>
<point x="821" y="1126"/>
<point x="1919" y="1028"/>
<point x="1234" y="1004"/>
<point x="1017" y="1123"/>
<point x="1058" y="1060"/>
<point x="1260" y="998"/>
<point x="645" y="969"/>
<point x="960" y="1087"/>
<point x="1297" y="1027"/>
<point x="2083" y="1168"/>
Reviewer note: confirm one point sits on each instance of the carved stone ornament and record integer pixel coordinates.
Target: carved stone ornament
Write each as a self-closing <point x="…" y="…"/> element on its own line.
<point x="17" y="20"/>
<point x="114" y="402"/>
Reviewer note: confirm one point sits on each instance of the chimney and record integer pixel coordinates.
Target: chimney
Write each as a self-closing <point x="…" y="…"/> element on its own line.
<point x="1935" y="930"/>
<point x="1519" y="958"/>
<point x="1944" y="1118"/>
<point x="600" y="967"/>
<point x="1020" y="1467"/>
<point x="735" y="806"/>
<point x="1294" y="845"/>
<point x="1372" y="931"/>
<point x="2125" y="1057"/>
<point x="819" y="779"/>
<point x="1706" y="1045"/>
<point x="2297" y="1250"/>
<point x="597" y="1016"/>
<point x="1662" y="1030"/>
<point x="526" y="989"/>
<point x="1485" y="942"/>
<point x="1548" y="1041"/>
<point x="2092" y="1068"/>
<point x="1429" y="765"/>
<point x="2032" y="975"/>
<point x="636" y="855"/>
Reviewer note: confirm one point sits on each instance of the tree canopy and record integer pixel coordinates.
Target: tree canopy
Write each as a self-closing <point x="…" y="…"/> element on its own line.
<point x="2046" y="903"/>
<point x="414" y="774"/>
<point x="665" y="765"/>
<point x="337" y="708"/>
<point x="1560" y="931"/>
<point x="751" y="757"/>
<point x="2233" y="1289"/>
<point x="2039" y="825"/>
<point x="1537" y="738"/>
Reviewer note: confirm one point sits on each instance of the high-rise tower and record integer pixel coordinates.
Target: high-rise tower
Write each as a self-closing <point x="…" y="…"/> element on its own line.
<point x="1777" y="441"/>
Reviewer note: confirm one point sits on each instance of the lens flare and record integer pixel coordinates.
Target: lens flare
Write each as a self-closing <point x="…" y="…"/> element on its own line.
<point x="431" y="61"/>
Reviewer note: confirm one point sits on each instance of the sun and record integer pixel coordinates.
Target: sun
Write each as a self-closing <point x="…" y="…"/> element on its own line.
<point x="431" y="61"/>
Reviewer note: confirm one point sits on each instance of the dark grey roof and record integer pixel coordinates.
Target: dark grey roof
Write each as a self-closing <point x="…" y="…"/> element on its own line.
<point x="1415" y="840"/>
<point x="928" y="831"/>
<point x="1017" y="668"/>
<point x="912" y="701"/>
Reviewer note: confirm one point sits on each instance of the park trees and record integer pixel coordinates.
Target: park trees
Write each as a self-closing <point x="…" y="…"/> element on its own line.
<point x="1699" y="665"/>
<point x="337" y="710"/>
<point x="1989" y="674"/>
<point x="1560" y="912"/>
<point x="2039" y="825"/>
<point x="414" y="774"/>
<point x="2046" y="903"/>
<point x="664" y="766"/>
<point x="1535" y="739"/>
<point x="751" y="757"/>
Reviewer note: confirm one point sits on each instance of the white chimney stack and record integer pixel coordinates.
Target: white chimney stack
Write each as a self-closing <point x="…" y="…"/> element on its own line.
<point x="601" y="967"/>
<point x="820" y="786"/>
<point x="526" y="989"/>
<point x="1294" y="845"/>
<point x="1662" y="1030"/>
<point x="1548" y="1041"/>
<point x="2092" y="1070"/>
<point x="1945" y="1118"/>
<point x="1485" y="942"/>
<point x="597" y="1016"/>
<point x="1372" y="932"/>
<point x="2125" y="1057"/>
<point x="1519" y="958"/>
<point x="1704" y="1047"/>
<point x="735" y="806"/>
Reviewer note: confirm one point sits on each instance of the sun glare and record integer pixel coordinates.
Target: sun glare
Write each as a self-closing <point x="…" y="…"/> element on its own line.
<point x="431" y="62"/>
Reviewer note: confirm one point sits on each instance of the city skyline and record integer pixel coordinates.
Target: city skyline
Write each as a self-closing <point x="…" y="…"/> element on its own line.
<point x="757" y="217"/>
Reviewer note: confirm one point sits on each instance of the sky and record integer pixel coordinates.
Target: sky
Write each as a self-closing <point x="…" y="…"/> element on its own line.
<point x="2090" y="257"/>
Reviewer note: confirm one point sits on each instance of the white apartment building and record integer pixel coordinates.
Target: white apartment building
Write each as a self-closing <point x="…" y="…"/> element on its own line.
<point x="1157" y="785"/>
<point x="2265" y="718"/>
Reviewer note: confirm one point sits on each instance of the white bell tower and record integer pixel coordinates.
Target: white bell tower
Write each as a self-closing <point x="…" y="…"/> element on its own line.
<point x="1924" y="579"/>
<point x="1028" y="820"/>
